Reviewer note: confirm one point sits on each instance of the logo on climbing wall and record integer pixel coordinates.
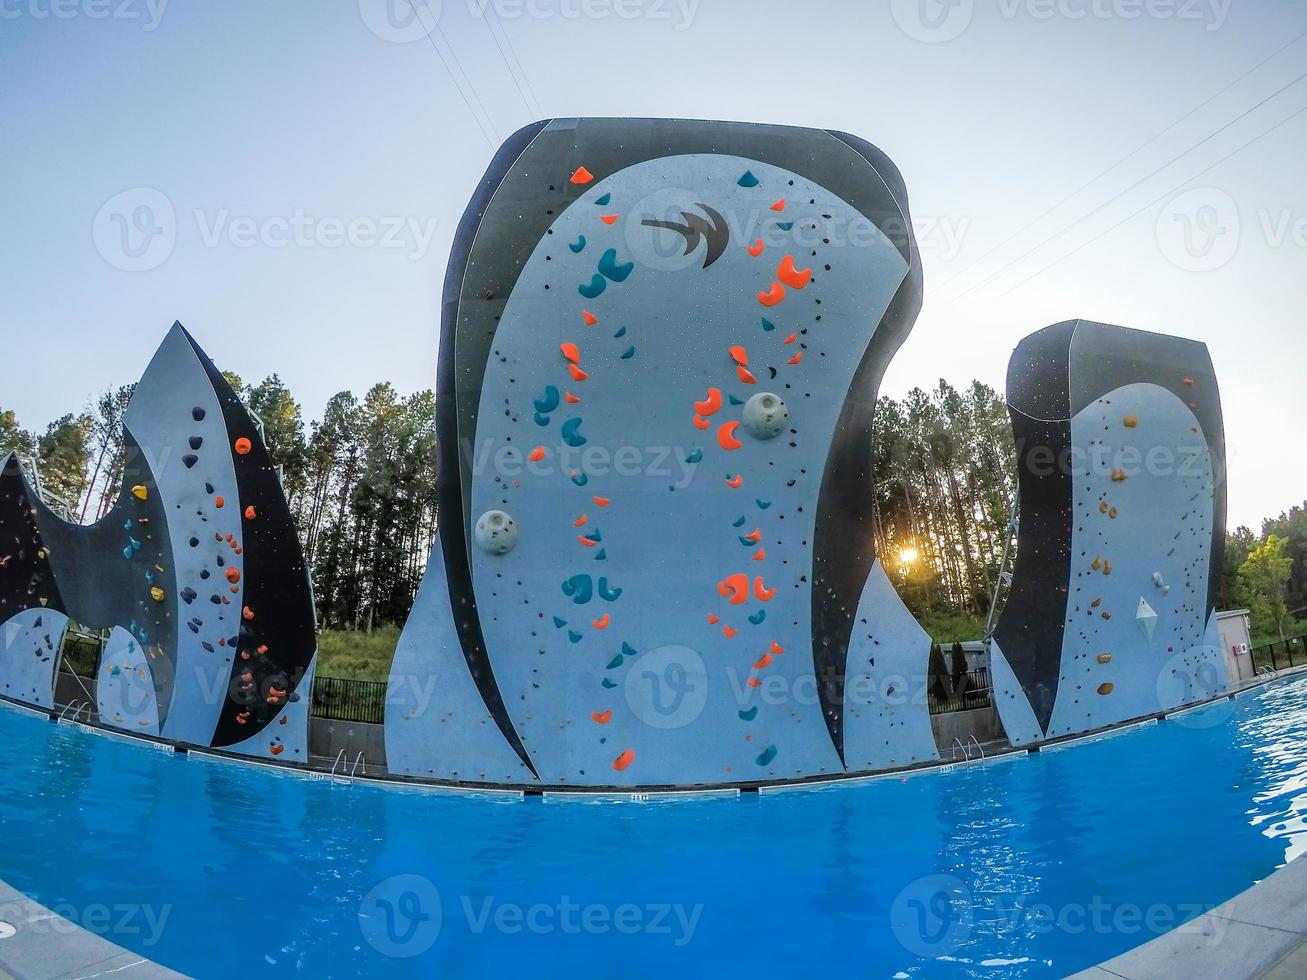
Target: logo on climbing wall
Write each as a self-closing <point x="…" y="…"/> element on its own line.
<point x="1199" y="230"/>
<point x="667" y="687"/>
<point x="932" y="915"/>
<point x="671" y="229"/>
<point x="136" y="230"/>
<point x="933" y="21"/>
<point x="400" y="21"/>
<point x="1191" y="676"/>
<point x="401" y="916"/>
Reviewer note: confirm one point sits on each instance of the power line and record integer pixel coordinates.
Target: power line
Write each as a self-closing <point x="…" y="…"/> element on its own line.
<point x="1129" y="156"/>
<point x="1142" y="180"/>
<point x="429" y="24"/>
<point x="532" y="104"/>
<point x="1155" y="200"/>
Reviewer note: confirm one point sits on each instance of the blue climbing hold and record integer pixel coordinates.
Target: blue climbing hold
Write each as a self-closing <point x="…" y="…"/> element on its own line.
<point x="621" y="332"/>
<point x="579" y="588"/>
<point x="577" y="245"/>
<point x="747" y="179"/>
<point x="592" y="289"/>
<point x="767" y="755"/>
<point x="758" y="617"/>
<point x="610" y="268"/>
<point x="630" y="353"/>
<point x="762" y="504"/>
<point x="748" y="714"/>
<point x="609" y="594"/>
<point x="738" y="522"/>
<point x="572" y="433"/>
<point x="696" y="456"/>
<point x="580" y="479"/>
<point x="602" y="201"/>
<point x="541" y="420"/>
<point x="547" y="402"/>
<point x="559" y="622"/>
<point x="767" y="325"/>
<point x="627" y="649"/>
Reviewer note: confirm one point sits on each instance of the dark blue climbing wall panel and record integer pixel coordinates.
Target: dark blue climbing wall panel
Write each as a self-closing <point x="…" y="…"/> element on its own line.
<point x="661" y="347"/>
<point x="1121" y="470"/>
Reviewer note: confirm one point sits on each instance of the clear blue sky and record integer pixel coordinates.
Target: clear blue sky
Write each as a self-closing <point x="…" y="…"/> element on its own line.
<point x="250" y="116"/>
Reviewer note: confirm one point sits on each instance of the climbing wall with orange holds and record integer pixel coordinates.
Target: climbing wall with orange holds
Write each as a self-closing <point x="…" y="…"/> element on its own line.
<point x="196" y="571"/>
<point x="661" y="347"/>
<point x="1122" y="521"/>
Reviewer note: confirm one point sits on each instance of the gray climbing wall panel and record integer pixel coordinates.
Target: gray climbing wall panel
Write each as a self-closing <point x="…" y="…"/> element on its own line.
<point x="1121" y="469"/>
<point x="653" y="579"/>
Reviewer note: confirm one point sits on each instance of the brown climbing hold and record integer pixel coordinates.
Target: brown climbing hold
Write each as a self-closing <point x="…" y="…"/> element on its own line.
<point x="1111" y="512"/>
<point x="1106" y="614"/>
<point x="1102" y="506"/>
<point x="1097" y="563"/>
<point x="1130" y="421"/>
<point x="1104" y="658"/>
<point x="1106" y="687"/>
<point x="1107" y="568"/>
<point x="243" y="446"/>
<point x="1118" y="476"/>
<point x="247" y="613"/>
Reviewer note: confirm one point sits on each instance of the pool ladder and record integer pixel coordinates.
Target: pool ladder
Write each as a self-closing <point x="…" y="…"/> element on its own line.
<point x="965" y="748"/>
<point x="347" y="776"/>
<point x="76" y="707"/>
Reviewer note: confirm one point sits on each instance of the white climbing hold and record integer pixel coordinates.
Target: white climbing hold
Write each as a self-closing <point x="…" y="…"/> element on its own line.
<point x="1146" y="617"/>
<point x="765" y="415"/>
<point x="496" y="532"/>
<point x="1161" y="583"/>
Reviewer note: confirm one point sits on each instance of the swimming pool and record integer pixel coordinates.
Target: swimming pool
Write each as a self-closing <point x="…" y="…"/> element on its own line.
<point x="1037" y="866"/>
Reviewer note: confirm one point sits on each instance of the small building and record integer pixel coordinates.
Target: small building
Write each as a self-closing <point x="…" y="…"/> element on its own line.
<point x="1236" y="641"/>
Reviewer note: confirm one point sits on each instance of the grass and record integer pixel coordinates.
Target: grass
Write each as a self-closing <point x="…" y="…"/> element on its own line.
<point x="945" y="628"/>
<point x="360" y="656"/>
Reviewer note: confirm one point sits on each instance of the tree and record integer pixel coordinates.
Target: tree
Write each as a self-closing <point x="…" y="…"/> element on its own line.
<point x="283" y="431"/>
<point x="12" y="438"/>
<point x="61" y="456"/>
<point x="959" y="675"/>
<point x="1263" y="577"/>
<point x="937" y="672"/>
<point x="106" y="447"/>
<point x="1292" y="527"/>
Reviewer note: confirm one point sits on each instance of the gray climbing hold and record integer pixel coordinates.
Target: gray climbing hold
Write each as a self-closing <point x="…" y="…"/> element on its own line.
<point x="496" y="532"/>
<point x="765" y="415"/>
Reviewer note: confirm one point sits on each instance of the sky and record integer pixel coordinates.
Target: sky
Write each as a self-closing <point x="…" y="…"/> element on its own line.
<point x="284" y="176"/>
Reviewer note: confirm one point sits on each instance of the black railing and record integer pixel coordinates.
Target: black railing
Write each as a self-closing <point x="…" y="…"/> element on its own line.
<point x="1282" y="654"/>
<point x="343" y="699"/>
<point x="970" y="691"/>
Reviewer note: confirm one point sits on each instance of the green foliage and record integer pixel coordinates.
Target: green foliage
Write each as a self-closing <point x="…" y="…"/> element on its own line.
<point x="12" y="438"/>
<point x="937" y="672"/>
<point x="959" y="665"/>
<point x="953" y="627"/>
<point x="1262" y="579"/>
<point x="61" y="457"/>
<point x="357" y="655"/>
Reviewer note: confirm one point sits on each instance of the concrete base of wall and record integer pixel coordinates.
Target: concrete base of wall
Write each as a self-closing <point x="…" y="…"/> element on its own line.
<point x="327" y="738"/>
<point x="983" y="723"/>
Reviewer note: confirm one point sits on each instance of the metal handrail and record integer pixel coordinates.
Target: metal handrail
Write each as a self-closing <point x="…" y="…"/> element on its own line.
<point x="966" y="754"/>
<point x="972" y="738"/>
<point x="340" y="758"/>
<point x="358" y="760"/>
<point x="77" y="708"/>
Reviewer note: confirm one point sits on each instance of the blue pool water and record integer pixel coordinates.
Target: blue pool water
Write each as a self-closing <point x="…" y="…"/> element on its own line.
<point x="1034" y="867"/>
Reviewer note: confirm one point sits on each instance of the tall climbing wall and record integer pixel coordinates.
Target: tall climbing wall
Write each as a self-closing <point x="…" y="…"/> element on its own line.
<point x="196" y="571"/>
<point x="660" y="353"/>
<point x="1121" y="466"/>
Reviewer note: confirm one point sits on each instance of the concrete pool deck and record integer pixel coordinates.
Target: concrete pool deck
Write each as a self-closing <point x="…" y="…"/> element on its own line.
<point x="37" y="944"/>
<point x="1260" y="933"/>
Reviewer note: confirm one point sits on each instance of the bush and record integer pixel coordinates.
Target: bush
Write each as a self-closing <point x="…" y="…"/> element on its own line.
<point x="357" y="655"/>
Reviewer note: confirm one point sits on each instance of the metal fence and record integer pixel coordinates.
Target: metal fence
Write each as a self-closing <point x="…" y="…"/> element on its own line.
<point x="972" y="690"/>
<point x="343" y="699"/>
<point x="1291" y="652"/>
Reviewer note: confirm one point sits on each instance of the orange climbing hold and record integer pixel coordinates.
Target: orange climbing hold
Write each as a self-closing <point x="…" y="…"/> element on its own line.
<point x="624" y="760"/>
<point x="586" y="542"/>
<point x="581" y="176"/>
<point x="608" y="219"/>
<point x="233" y="575"/>
<point x="601" y="501"/>
<point x="726" y="436"/>
<point x="790" y="276"/>
<point x="728" y="632"/>
<point x="773" y="295"/>
<point x="602" y="717"/>
<point x="243" y="446"/>
<point x="603" y="622"/>
<point x="570" y="351"/>
<point x="577" y="374"/>
<point x="735" y="588"/>
<point x="711" y="403"/>
<point x="1130" y="421"/>
<point x="791" y="338"/>
<point x="736" y="482"/>
<point x="764" y="661"/>
<point x="588" y="318"/>
<point x="250" y="513"/>
<point x="755" y="249"/>
<point x="277" y="749"/>
<point x="745" y="375"/>
<point x="218" y="502"/>
<point x="761" y="592"/>
<point x="739" y="355"/>
<point x="779" y="205"/>
<point x="760" y="555"/>
<point x="776" y="648"/>
<point x="580" y="521"/>
<point x="570" y="398"/>
<point x="536" y="455"/>
<point x="247" y="613"/>
<point x="755" y="537"/>
<point x="796" y="358"/>
<point x="1118" y="476"/>
<point x="700" y="422"/>
<point x="754" y="682"/>
<point x="713" y="619"/>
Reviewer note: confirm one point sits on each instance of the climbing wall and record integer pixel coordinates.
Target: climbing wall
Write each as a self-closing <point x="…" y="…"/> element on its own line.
<point x="32" y="622"/>
<point x="197" y="571"/>
<point x="661" y="347"/>
<point x="1122" y="519"/>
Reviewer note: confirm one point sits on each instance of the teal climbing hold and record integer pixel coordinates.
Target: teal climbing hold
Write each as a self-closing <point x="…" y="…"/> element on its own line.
<point x="696" y="456"/>
<point x="609" y="594"/>
<point x="630" y="353"/>
<point x="577" y="245"/>
<point x="746" y="542"/>
<point x="580" y="479"/>
<point x="762" y="504"/>
<point x="594" y="536"/>
<point x="601" y="201"/>
<point x="621" y="332"/>
<point x="615" y="662"/>
<point x="572" y="433"/>
<point x="579" y="588"/>
<point x="541" y="420"/>
<point x="766" y="756"/>
<point x="767" y="325"/>
<point x="547" y="402"/>
<point x="574" y="636"/>
<point x="627" y="649"/>
<point x="559" y="622"/>
<point x="785" y="225"/>
<point x="736" y="401"/>
<point x="747" y="179"/>
<point x="758" y="617"/>
<point x="738" y="522"/>
<point x="610" y="268"/>
<point x="748" y="714"/>
<point x="609" y="684"/>
<point x="594" y="287"/>
<point x="601" y="555"/>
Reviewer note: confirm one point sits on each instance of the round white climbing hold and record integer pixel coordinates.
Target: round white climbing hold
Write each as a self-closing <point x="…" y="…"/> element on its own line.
<point x="496" y="532"/>
<point x="765" y="415"/>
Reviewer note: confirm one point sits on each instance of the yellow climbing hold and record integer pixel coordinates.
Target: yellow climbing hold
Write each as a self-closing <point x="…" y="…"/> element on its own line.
<point x="1098" y="563"/>
<point x="1130" y="421"/>
<point x="156" y="594"/>
<point x="1102" y="506"/>
<point x="1106" y="687"/>
<point x="1111" y="512"/>
<point x="140" y="493"/>
<point x="1104" y="658"/>
<point x="1118" y="476"/>
<point x="1107" y="568"/>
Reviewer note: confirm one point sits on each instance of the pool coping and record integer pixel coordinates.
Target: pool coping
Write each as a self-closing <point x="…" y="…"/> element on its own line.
<point x="1005" y="753"/>
<point x="1260" y="929"/>
<point x="47" y="946"/>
